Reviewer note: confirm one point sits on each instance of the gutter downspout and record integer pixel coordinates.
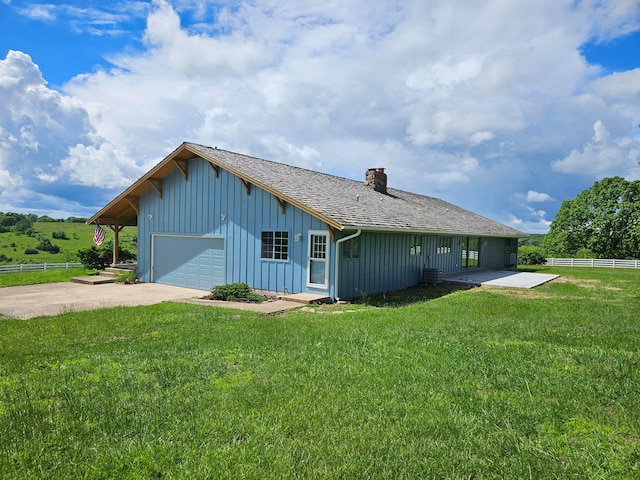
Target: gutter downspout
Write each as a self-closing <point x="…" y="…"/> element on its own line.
<point x="336" y="269"/>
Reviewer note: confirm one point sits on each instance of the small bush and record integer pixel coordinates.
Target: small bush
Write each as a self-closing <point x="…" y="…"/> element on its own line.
<point x="46" y="246"/>
<point x="235" y="292"/>
<point x="60" y="235"/>
<point x="531" y="255"/>
<point x="30" y="251"/>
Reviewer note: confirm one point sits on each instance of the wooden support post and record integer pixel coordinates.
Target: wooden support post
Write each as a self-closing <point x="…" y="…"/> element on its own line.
<point x="116" y="242"/>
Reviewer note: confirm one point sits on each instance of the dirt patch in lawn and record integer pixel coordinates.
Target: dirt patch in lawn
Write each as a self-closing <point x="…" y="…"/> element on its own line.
<point x="587" y="283"/>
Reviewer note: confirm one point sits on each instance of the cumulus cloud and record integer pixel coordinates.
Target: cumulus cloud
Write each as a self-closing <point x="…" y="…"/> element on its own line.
<point x="102" y="166"/>
<point x="536" y="197"/>
<point x="470" y="101"/>
<point x="47" y="141"/>
<point x="602" y="156"/>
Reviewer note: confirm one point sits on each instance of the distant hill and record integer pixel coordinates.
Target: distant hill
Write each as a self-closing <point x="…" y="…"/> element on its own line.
<point x="534" y="239"/>
<point x="69" y="236"/>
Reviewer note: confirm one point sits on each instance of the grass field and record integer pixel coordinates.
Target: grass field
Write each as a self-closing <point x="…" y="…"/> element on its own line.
<point x="482" y="383"/>
<point x="45" y="276"/>
<point x="79" y="236"/>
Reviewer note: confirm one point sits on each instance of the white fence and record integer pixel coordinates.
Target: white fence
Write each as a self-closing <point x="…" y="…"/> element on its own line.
<point x="33" y="267"/>
<point x="593" y="262"/>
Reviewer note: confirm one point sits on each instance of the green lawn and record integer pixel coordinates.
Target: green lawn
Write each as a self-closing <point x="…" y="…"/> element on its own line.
<point x="482" y="383"/>
<point x="44" y="276"/>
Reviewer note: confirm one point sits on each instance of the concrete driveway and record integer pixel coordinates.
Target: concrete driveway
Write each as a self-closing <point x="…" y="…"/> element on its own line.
<point x="30" y="301"/>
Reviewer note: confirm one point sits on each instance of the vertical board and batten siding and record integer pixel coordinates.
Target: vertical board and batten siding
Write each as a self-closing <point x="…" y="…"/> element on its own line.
<point x="386" y="263"/>
<point x="219" y="207"/>
<point x="447" y="262"/>
<point x="498" y="253"/>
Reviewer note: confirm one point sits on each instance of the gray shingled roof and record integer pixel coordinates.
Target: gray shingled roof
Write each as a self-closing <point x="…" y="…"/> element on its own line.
<point x="352" y="204"/>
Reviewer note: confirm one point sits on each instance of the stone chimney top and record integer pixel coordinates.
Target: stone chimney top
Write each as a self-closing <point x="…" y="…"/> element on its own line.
<point x="376" y="178"/>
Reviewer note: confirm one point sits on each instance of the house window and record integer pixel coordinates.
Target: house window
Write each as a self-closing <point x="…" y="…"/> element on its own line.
<point x="351" y="248"/>
<point x="444" y="246"/>
<point x="416" y="244"/>
<point x="275" y="245"/>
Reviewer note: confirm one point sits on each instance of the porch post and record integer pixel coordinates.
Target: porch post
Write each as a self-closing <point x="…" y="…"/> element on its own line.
<point x="116" y="241"/>
<point x="116" y="231"/>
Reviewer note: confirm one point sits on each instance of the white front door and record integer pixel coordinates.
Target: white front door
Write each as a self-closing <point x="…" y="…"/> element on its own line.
<point x="318" y="260"/>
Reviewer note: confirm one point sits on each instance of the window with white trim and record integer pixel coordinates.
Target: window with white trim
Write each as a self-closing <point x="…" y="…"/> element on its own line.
<point x="275" y="245"/>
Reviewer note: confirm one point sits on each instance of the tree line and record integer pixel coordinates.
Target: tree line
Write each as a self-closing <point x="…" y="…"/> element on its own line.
<point x="603" y="221"/>
<point x="23" y="222"/>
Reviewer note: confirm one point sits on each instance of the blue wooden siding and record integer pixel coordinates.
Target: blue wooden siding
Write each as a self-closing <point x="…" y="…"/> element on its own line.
<point x="205" y="205"/>
<point x="386" y="263"/>
<point x="497" y="253"/>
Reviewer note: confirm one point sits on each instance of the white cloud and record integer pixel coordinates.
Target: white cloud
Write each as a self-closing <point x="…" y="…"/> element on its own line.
<point x="109" y="18"/>
<point x="103" y="166"/>
<point x="536" y="197"/>
<point x="39" y="12"/>
<point x="47" y="142"/>
<point x="602" y="156"/>
<point x="469" y="100"/>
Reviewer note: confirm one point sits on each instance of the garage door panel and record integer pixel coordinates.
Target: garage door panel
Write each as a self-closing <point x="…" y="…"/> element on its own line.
<point x="194" y="262"/>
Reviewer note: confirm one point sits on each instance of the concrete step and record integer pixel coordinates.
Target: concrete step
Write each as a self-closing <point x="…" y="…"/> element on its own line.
<point x="94" y="279"/>
<point x="305" y="298"/>
<point x="117" y="270"/>
<point x="108" y="275"/>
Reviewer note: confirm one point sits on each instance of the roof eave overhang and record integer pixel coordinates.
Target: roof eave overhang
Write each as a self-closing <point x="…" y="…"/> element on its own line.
<point x="211" y="159"/>
<point x="103" y="216"/>
<point x="409" y="230"/>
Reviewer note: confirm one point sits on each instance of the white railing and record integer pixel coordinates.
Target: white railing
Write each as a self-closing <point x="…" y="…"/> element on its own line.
<point x="593" y="262"/>
<point x="33" y="267"/>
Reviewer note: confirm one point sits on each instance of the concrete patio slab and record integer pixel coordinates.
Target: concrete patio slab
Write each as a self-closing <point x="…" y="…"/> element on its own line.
<point x="503" y="278"/>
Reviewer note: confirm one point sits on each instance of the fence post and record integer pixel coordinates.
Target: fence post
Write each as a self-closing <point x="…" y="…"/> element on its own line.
<point x="592" y="263"/>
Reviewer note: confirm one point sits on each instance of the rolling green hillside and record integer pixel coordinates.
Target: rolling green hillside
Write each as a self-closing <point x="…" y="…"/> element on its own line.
<point x="78" y="236"/>
<point x="534" y="239"/>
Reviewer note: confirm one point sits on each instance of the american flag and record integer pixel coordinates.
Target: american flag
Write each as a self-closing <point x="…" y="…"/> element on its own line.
<point x="98" y="235"/>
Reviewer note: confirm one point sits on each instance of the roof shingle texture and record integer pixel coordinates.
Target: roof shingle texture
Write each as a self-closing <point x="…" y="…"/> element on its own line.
<point x="351" y="203"/>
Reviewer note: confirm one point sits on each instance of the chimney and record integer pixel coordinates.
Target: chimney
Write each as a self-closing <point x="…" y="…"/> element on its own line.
<point x="376" y="178"/>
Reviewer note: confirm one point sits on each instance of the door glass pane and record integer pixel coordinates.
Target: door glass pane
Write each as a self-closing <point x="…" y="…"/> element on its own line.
<point x="317" y="271"/>
<point x="318" y="257"/>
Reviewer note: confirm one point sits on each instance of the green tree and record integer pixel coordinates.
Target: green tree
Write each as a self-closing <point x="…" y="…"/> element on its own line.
<point x="604" y="219"/>
<point x="45" y="245"/>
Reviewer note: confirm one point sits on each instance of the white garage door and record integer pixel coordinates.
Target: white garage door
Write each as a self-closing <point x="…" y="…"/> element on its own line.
<point x="194" y="262"/>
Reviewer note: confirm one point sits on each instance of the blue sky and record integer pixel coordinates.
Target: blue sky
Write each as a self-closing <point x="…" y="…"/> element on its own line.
<point x="504" y="108"/>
